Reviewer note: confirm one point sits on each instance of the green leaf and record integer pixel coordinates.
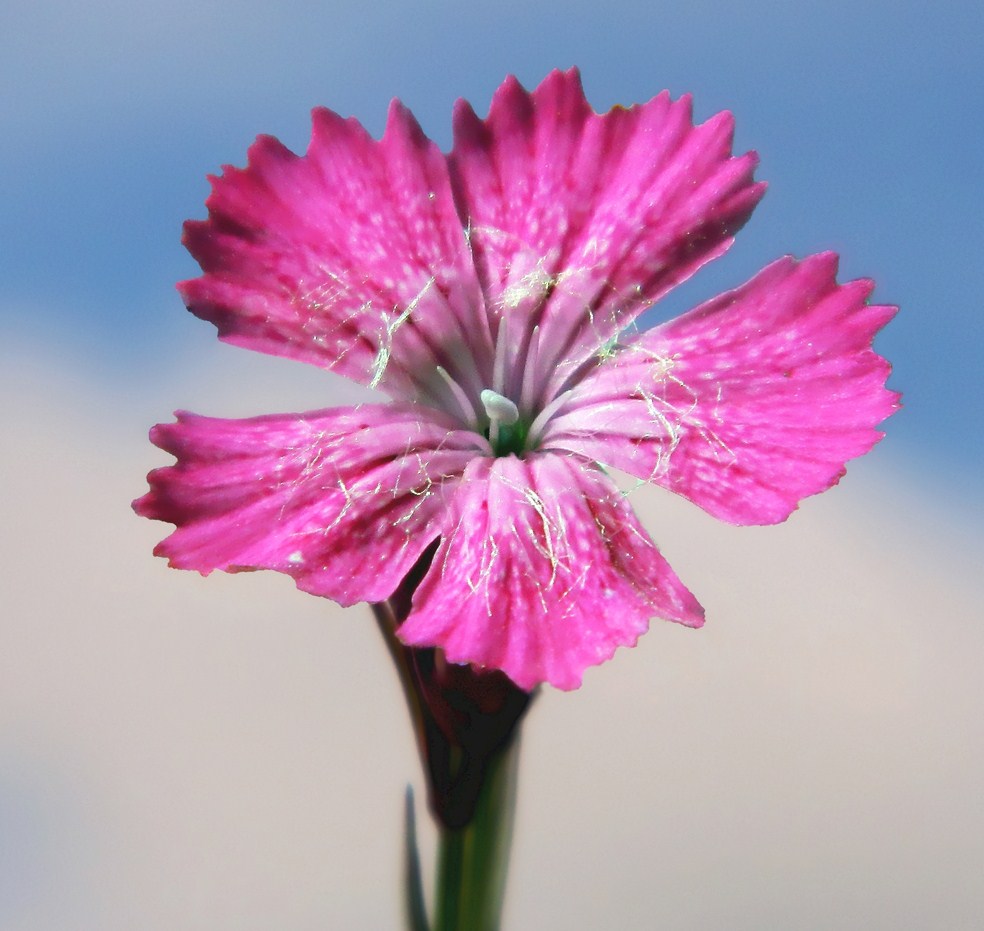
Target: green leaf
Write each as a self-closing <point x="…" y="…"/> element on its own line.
<point x="414" y="902"/>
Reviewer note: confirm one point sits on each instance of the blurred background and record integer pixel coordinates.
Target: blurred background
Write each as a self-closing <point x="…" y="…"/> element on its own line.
<point x="179" y="752"/>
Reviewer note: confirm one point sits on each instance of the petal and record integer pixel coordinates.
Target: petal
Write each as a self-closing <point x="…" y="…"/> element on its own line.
<point x="349" y="257"/>
<point x="578" y="221"/>
<point x="344" y="500"/>
<point x="746" y="404"/>
<point x="544" y="570"/>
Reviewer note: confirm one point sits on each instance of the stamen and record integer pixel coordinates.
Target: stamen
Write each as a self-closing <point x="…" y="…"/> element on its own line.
<point x="499" y="365"/>
<point x="528" y="386"/>
<point x="536" y="428"/>
<point x="501" y="411"/>
<point x="499" y="408"/>
<point x="467" y="409"/>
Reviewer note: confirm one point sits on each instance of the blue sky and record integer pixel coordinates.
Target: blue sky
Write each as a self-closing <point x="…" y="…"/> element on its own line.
<point x="866" y="117"/>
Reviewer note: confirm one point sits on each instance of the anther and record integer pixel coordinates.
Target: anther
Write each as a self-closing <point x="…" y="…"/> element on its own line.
<point x="499" y="408"/>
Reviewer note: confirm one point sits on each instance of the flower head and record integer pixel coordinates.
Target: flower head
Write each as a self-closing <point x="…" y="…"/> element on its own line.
<point x="490" y="294"/>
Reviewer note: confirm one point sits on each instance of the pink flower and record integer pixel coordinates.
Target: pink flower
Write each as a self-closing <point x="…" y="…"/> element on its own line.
<point x="490" y="293"/>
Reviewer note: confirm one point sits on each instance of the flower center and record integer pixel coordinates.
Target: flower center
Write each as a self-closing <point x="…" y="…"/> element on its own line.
<point x="507" y="430"/>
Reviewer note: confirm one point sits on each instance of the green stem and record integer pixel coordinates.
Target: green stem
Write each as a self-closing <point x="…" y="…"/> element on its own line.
<point x="467" y="728"/>
<point x="472" y="860"/>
